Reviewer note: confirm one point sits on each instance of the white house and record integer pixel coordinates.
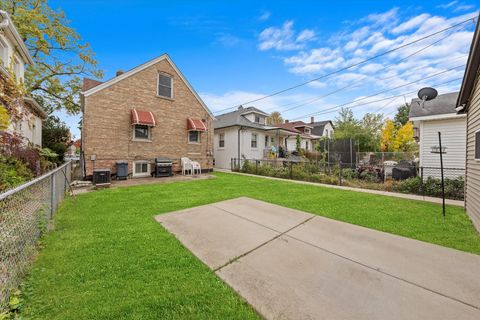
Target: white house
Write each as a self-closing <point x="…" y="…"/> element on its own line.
<point x="303" y="131"/>
<point x="322" y="128"/>
<point x="244" y="134"/>
<point x="439" y="115"/>
<point x="13" y="58"/>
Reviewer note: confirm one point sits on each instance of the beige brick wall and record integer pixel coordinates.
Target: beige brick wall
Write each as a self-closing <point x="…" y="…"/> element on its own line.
<point x="108" y="133"/>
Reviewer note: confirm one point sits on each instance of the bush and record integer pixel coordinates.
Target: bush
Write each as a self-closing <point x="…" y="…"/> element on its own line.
<point x="454" y="188"/>
<point x="13" y="173"/>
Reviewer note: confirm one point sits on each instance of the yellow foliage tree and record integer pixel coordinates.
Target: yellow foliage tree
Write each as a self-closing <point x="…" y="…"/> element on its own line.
<point x="404" y="138"/>
<point x="387" y="142"/>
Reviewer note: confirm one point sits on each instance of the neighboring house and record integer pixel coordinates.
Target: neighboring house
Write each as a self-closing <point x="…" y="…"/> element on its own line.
<point x="148" y="112"/>
<point x="302" y="130"/>
<point x="13" y="58"/>
<point x="439" y="115"/>
<point x="469" y="103"/>
<point x="243" y="133"/>
<point x="322" y="128"/>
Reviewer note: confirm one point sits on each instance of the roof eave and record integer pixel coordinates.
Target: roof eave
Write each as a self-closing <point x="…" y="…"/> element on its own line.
<point x="21" y="44"/>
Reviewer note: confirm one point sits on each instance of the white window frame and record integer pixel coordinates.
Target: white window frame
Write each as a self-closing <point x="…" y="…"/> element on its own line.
<point x="199" y="137"/>
<point x="149" y="128"/>
<point x="475" y="145"/>
<point x="171" y="85"/>
<point x="220" y="139"/>
<point x="141" y="174"/>
<point x="254" y="140"/>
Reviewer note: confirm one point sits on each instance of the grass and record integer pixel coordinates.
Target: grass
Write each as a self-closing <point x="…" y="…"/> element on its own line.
<point x="109" y="259"/>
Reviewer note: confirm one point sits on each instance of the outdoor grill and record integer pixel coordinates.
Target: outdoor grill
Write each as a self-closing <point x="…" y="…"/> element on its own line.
<point x="163" y="167"/>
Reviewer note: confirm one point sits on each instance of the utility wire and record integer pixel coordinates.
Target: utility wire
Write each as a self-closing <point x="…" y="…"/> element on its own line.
<point x="378" y="93"/>
<point x="361" y="81"/>
<point x="353" y="65"/>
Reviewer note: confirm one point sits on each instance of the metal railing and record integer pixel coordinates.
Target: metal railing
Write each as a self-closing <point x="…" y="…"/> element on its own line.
<point x="25" y="214"/>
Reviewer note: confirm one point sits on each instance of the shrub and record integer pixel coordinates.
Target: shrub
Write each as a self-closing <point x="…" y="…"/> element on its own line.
<point x="454" y="188"/>
<point x="13" y="173"/>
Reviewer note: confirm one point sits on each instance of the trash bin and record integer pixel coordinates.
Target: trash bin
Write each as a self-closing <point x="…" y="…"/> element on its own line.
<point x="122" y="170"/>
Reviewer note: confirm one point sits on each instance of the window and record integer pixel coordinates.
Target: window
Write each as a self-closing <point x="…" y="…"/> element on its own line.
<point x="253" y="143"/>
<point x="257" y="119"/>
<point x="221" y="140"/>
<point x="477" y="145"/>
<point x="141" y="132"/>
<point x="165" y="85"/>
<point x="307" y="130"/>
<point x="141" y="168"/>
<point x="266" y="141"/>
<point x="306" y="145"/>
<point x="193" y="136"/>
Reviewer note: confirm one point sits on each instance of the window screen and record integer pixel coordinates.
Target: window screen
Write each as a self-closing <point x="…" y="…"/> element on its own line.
<point x="165" y="86"/>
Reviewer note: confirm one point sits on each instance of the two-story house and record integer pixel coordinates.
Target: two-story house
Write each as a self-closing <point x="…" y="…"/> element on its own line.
<point x="148" y="112"/>
<point x="322" y="128"/>
<point x="304" y="133"/>
<point x="14" y="56"/>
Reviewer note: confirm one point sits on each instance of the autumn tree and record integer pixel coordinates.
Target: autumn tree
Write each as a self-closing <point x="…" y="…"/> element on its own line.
<point x="388" y="136"/>
<point x="61" y="57"/>
<point x="397" y="138"/>
<point x="274" y="118"/>
<point x="4" y="118"/>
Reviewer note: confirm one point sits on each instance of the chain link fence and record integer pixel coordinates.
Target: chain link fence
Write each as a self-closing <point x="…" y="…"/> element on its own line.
<point x="25" y="214"/>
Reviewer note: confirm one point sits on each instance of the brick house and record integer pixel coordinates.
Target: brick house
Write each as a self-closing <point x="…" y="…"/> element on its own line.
<point x="150" y="111"/>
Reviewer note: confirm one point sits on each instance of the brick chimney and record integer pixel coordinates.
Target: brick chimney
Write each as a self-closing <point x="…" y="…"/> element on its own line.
<point x="119" y="73"/>
<point x="312" y="119"/>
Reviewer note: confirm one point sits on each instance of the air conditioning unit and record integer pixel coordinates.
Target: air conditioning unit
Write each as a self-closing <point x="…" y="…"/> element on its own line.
<point x="102" y="177"/>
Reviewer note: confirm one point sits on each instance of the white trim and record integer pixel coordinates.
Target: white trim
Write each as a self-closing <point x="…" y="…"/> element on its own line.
<point x="21" y="44"/>
<point x="256" y="112"/>
<point x="439" y="117"/>
<point x="143" y="67"/>
<point x="141" y="174"/>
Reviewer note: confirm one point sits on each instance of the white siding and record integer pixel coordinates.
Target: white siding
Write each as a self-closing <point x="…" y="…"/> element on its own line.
<point x="292" y="144"/>
<point x="453" y="138"/>
<point x="224" y="155"/>
<point x="328" y="130"/>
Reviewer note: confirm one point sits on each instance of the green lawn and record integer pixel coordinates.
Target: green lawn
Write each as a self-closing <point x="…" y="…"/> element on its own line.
<point x="109" y="259"/>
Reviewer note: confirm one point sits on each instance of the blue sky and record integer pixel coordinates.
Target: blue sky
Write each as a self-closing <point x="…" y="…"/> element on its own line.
<point x="234" y="52"/>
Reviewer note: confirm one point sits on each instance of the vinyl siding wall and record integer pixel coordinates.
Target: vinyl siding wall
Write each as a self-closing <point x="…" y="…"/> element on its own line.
<point x="453" y="138"/>
<point x="472" y="200"/>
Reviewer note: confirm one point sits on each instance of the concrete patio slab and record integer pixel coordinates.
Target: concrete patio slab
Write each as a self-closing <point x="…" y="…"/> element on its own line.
<point x="213" y="235"/>
<point x="443" y="270"/>
<point x="287" y="279"/>
<point x="269" y="215"/>
<point x="290" y="264"/>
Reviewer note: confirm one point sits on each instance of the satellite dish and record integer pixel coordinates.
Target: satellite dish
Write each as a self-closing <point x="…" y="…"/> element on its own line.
<point x="427" y="94"/>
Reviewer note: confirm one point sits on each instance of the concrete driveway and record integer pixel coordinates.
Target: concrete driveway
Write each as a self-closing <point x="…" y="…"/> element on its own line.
<point x="290" y="264"/>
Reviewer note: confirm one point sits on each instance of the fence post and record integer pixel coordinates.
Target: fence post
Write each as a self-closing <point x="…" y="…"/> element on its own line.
<point x="340" y="172"/>
<point x="291" y="167"/>
<point x="52" y="194"/>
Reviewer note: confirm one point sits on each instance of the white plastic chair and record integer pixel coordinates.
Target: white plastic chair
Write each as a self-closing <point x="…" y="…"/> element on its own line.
<point x="187" y="165"/>
<point x="196" y="167"/>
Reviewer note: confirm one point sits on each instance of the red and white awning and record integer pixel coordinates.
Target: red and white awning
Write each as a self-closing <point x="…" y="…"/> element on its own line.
<point x="196" y="125"/>
<point x="143" y="117"/>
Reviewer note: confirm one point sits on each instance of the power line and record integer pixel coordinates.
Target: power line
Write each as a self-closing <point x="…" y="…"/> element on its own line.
<point x="353" y="65"/>
<point x="353" y="85"/>
<point x="378" y="93"/>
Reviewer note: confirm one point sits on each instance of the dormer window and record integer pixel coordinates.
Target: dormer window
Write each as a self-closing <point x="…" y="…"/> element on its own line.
<point x="307" y="130"/>
<point x="165" y="86"/>
<point x="257" y="119"/>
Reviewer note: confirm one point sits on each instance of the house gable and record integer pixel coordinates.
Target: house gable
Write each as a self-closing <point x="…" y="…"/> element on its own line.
<point x="143" y="67"/>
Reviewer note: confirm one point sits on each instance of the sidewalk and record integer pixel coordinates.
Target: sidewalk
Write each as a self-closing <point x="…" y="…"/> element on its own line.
<point x="383" y="193"/>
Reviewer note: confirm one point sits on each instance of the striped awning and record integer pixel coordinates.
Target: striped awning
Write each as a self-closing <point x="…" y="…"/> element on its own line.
<point x="143" y="117"/>
<point x="196" y="125"/>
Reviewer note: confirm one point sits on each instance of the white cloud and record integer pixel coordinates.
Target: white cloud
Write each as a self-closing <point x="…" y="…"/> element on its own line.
<point x="284" y="38"/>
<point x="227" y="40"/>
<point x="410" y="24"/>
<point x="265" y="16"/>
<point x="447" y="5"/>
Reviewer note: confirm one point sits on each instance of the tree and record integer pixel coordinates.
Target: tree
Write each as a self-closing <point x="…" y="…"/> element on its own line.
<point x="402" y="114"/>
<point x="298" y="143"/>
<point x="372" y="125"/>
<point x="275" y="118"/>
<point x="404" y="138"/>
<point x="388" y="136"/>
<point x="56" y="136"/>
<point x="61" y="57"/>
<point x="4" y="118"/>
